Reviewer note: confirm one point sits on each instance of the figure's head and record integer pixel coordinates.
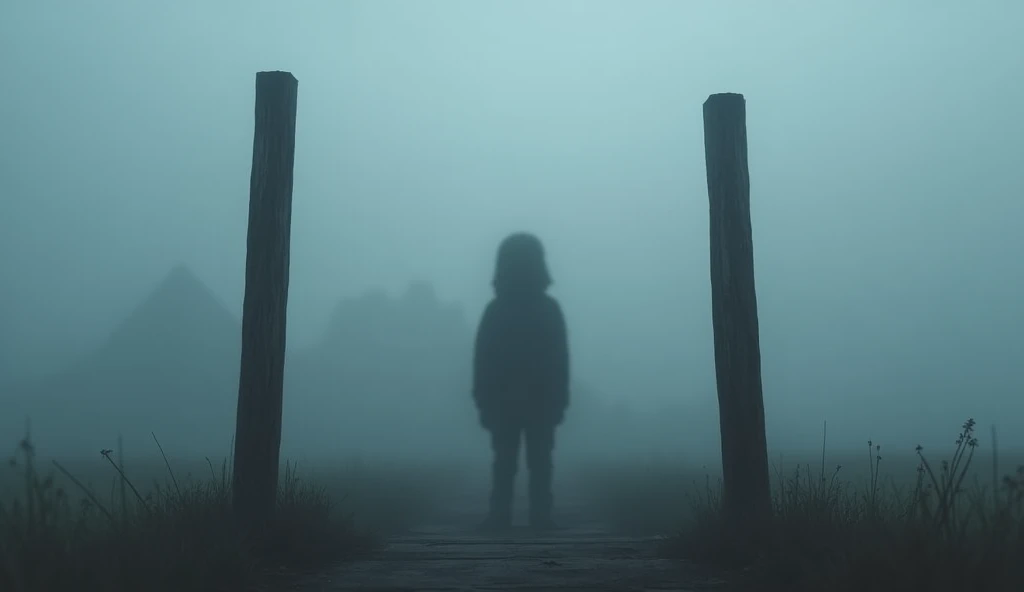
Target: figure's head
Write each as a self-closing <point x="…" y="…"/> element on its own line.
<point x="520" y="268"/>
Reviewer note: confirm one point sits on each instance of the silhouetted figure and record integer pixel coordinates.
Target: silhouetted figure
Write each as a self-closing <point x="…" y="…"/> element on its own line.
<point x="521" y="377"/>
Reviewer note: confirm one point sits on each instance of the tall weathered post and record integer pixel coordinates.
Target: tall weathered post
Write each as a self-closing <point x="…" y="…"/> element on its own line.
<point x="746" y="491"/>
<point x="261" y="383"/>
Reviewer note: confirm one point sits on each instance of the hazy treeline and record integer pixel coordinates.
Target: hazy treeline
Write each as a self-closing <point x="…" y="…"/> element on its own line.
<point x="390" y="376"/>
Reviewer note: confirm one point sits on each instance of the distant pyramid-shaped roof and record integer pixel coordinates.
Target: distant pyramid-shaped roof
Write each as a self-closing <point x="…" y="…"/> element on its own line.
<point x="170" y="364"/>
<point x="181" y="312"/>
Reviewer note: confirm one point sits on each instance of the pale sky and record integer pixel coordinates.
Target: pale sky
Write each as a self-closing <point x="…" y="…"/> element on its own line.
<point x="886" y="155"/>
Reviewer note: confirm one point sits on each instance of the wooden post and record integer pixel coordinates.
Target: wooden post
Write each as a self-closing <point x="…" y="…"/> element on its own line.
<point x="261" y="383"/>
<point x="746" y="491"/>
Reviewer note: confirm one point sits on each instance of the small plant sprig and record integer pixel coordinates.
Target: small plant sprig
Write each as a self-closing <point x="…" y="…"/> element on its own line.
<point x="945" y="487"/>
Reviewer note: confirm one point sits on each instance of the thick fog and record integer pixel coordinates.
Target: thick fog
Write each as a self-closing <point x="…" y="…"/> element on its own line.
<point x="887" y="190"/>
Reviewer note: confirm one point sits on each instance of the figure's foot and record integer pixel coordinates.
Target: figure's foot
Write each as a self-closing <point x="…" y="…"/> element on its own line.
<point x="494" y="525"/>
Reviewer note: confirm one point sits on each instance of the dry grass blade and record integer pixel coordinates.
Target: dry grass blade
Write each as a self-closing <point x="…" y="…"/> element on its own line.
<point x="167" y="464"/>
<point x="88" y="492"/>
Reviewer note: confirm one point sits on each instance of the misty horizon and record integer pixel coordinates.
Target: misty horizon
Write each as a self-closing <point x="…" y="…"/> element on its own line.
<point x="886" y="186"/>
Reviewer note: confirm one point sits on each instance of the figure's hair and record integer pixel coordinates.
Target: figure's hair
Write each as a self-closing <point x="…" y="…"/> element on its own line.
<point x="521" y="267"/>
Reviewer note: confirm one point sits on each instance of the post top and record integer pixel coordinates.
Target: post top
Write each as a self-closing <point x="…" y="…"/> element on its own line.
<point x="275" y="74"/>
<point x="725" y="98"/>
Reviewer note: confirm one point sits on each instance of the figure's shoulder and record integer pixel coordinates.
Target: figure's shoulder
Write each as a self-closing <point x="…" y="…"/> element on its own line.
<point x="544" y="305"/>
<point x="551" y="305"/>
<point x="491" y="307"/>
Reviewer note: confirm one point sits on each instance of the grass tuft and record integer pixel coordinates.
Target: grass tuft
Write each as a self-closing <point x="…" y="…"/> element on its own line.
<point x="178" y="536"/>
<point x="827" y="534"/>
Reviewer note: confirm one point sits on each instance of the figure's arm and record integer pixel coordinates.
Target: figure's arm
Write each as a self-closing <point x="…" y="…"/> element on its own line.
<point x="560" y="358"/>
<point x="483" y="358"/>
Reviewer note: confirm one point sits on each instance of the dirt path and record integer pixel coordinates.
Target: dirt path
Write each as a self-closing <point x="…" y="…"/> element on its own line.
<point x="448" y="555"/>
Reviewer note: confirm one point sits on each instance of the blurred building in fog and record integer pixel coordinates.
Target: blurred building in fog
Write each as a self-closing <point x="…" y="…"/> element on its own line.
<point x="170" y="368"/>
<point x="390" y="375"/>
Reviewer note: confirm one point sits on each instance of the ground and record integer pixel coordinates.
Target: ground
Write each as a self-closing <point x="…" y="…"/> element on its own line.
<point x="447" y="554"/>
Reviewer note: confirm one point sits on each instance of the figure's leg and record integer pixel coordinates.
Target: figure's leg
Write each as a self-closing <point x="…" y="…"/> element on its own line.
<point x="540" y="444"/>
<point x="505" y="443"/>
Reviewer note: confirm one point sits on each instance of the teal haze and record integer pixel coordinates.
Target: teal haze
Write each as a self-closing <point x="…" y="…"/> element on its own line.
<point x="887" y="189"/>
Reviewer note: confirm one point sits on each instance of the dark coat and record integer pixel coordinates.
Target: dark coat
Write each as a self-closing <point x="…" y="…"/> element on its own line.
<point x="521" y="361"/>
